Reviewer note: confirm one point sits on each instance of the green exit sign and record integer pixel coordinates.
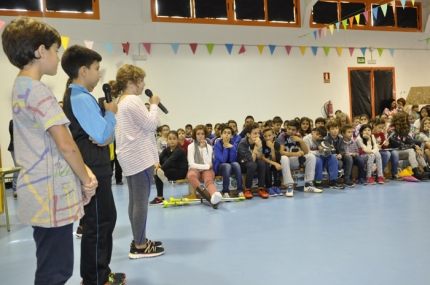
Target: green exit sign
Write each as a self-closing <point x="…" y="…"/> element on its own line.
<point x="361" y="60"/>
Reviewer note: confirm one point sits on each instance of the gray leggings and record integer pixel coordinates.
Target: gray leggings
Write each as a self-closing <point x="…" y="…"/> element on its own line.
<point x="412" y="156"/>
<point x="373" y="157"/>
<point x="139" y="188"/>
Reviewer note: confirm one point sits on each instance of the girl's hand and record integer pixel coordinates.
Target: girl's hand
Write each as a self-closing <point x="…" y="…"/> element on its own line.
<point x="203" y="143"/>
<point x="386" y="143"/>
<point x="278" y="166"/>
<point x="368" y="151"/>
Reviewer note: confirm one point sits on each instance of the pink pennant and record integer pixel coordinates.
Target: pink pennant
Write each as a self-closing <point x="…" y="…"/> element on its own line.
<point x="319" y="33"/>
<point x="351" y="50"/>
<point x="365" y="14"/>
<point x="126" y="47"/>
<point x="288" y="48"/>
<point x="193" y="47"/>
<point x="242" y="49"/>
<point x="1" y="24"/>
<point x="147" y="47"/>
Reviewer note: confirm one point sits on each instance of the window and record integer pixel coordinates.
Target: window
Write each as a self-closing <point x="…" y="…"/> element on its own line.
<point x="326" y="12"/>
<point x="230" y="12"/>
<point x="75" y="9"/>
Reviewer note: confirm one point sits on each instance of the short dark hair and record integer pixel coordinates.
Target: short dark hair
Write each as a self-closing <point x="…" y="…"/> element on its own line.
<point x="77" y="56"/>
<point x="277" y="120"/>
<point x="293" y="123"/>
<point x="180" y="129"/>
<point x="232" y="122"/>
<point x="209" y="125"/>
<point x="332" y="125"/>
<point x="403" y="101"/>
<point x="322" y="131"/>
<point x="364" y="115"/>
<point x="224" y="126"/>
<point x="268" y="123"/>
<point x="268" y="129"/>
<point x="173" y="133"/>
<point x="319" y="120"/>
<point x="249" y="117"/>
<point x="344" y="128"/>
<point x="189" y="126"/>
<point x="23" y="36"/>
<point x="251" y="126"/>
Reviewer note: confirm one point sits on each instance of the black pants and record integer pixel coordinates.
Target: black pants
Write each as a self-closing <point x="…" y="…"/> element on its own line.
<point x="250" y="168"/>
<point x="171" y="174"/>
<point x="96" y="244"/>
<point x="54" y="253"/>
<point x="118" y="169"/>
<point x="277" y="174"/>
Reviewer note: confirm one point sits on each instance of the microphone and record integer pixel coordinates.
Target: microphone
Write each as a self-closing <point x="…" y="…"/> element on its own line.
<point x="149" y="94"/>
<point x="106" y="90"/>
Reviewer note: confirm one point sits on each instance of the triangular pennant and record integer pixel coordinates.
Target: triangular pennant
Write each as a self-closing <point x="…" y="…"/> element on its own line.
<point x="261" y="48"/>
<point x="147" y="46"/>
<point x="1" y="24"/>
<point x="363" y="50"/>
<point x="65" y="42"/>
<point x="229" y="47"/>
<point x="314" y="50"/>
<point x="403" y="3"/>
<point x="109" y="47"/>
<point x="89" y="44"/>
<point x="375" y="13"/>
<point x="242" y="49"/>
<point x="315" y="34"/>
<point x="272" y="48"/>
<point x="392" y="52"/>
<point x="351" y="20"/>
<point x="331" y="27"/>
<point x="325" y="31"/>
<point x="319" y="33"/>
<point x="427" y="40"/>
<point x="175" y="48"/>
<point x="339" y="50"/>
<point x="303" y="50"/>
<point x="413" y="2"/>
<point x="366" y="15"/>
<point x="309" y="36"/>
<point x="126" y="47"/>
<point x="384" y="9"/>
<point x="393" y="5"/>
<point x="380" y="50"/>
<point x="326" y="50"/>
<point x="288" y="48"/>
<point x="351" y="50"/>
<point x="210" y="47"/>
<point x="357" y="18"/>
<point x="344" y="23"/>
<point x="193" y="47"/>
<point x="337" y="26"/>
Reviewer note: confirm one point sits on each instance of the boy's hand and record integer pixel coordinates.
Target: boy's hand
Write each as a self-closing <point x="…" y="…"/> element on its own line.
<point x="296" y="138"/>
<point x="154" y="99"/>
<point x="156" y="166"/>
<point x="112" y="106"/>
<point x="257" y="142"/>
<point x="320" y="148"/>
<point x="278" y="166"/>
<point x="270" y="144"/>
<point x="339" y="156"/>
<point x="109" y="140"/>
<point x="89" y="189"/>
<point x="300" y="153"/>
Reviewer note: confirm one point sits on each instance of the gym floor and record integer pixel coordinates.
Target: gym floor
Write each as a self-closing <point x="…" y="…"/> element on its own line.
<point x="365" y="235"/>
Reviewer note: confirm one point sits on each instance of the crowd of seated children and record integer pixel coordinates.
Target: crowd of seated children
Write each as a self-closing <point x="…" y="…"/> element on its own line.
<point x="162" y="140"/>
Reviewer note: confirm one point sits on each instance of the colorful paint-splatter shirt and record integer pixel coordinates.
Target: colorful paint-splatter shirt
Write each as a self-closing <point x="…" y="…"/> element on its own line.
<point x="49" y="192"/>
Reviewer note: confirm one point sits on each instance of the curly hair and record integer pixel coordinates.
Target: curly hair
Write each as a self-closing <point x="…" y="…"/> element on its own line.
<point x="401" y="123"/>
<point x="343" y="116"/>
<point x="126" y="73"/>
<point x="197" y="128"/>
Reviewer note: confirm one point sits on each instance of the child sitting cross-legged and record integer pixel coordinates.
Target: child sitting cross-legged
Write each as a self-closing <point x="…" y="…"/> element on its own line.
<point x="351" y="149"/>
<point x="272" y="157"/>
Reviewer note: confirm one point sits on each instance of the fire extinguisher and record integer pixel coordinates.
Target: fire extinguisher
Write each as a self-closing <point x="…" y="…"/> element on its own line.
<point x="328" y="109"/>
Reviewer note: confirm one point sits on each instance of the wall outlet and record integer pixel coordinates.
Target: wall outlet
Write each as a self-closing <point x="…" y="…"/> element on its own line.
<point x="139" y="57"/>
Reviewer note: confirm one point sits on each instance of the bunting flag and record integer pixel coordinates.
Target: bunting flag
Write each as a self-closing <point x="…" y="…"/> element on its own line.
<point x="351" y="20"/>
<point x="403" y="3"/>
<point x="357" y="18"/>
<point x="375" y="13"/>
<point x="319" y="33"/>
<point x="339" y="51"/>
<point x="89" y="44"/>
<point x="366" y="15"/>
<point x="65" y="42"/>
<point x="109" y="47"/>
<point x="337" y="26"/>
<point x="309" y="36"/>
<point x="260" y="48"/>
<point x="288" y="48"/>
<point x="303" y="50"/>
<point x="363" y="50"/>
<point x="314" y="50"/>
<point x="331" y="27"/>
<point x="344" y="23"/>
<point x="384" y="9"/>
<point x="193" y="47"/>
<point x="351" y="50"/>
<point x="147" y="46"/>
<point x="2" y="24"/>
<point x="380" y="50"/>
<point x="393" y="5"/>
<point x="126" y="47"/>
<point x="175" y="48"/>
<point x="326" y="50"/>
<point x="325" y="31"/>
<point x="427" y="40"/>
<point x="210" y="47"/>
<point x="315" y="34"/>
<point x="272" y="48"/>
<point x="392" y="52"/>
<point x="229" y="47"/>
<point x="413" y="2"/>
<point x="242" y="49"/>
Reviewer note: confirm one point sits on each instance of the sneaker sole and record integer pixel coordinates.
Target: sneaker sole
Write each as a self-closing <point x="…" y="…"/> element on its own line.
<point x="138" y="256"/>
<point x="350" y="186"/>
<point x="78" y="235"/>
<point x="338" y="188"/>
<point x="289" y="194"/>
<point x="273" y="195"/>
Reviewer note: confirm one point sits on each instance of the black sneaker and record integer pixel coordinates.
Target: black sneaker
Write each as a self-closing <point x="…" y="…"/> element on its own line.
<point x="15" y="195"/>
<point x="79" y="232"/>
<point x="318" y="185"/>
<point x="157" y="243"/>
<point x="150" y="251"/>
<point x="117" y="276"/>
<point x="348" y="183"/>
<point x="156" y="201"/>
<point x="335" y="185"/>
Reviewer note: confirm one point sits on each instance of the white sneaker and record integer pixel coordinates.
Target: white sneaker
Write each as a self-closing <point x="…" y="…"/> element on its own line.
<point x="216" y="198"/>
<point x="290" y="192"/>
<point x="226" y="196"/>
<point x="312" y="188"/>
<point x="160" y="174"/>
<point x="240" y="194"/>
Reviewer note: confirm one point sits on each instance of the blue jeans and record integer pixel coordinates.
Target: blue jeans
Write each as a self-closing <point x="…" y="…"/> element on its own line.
<point x="359" y="162"/>
<point x="386" y="155"/>
<point x="227" y="169"/>
<point x="329" y="162"/>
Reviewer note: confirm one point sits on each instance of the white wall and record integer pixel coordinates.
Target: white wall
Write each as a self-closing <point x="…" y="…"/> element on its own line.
<point x="205" y="88"/>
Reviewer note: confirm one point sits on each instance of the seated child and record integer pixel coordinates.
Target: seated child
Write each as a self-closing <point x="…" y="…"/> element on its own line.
<point x="209" y="127"/>
<point x="162" y="140"/>
<point x="364" y="119"/>
<point x="188" y="133"/>
<point x="200" y="166"/>
<point x="217" y="134"/>
<point x="248" y="120"/>
<point x="323" y="160"/>
<point x="272" y="157"/>
<point x="369" y="151"/>
<point x="249" y="153"/>
<point x="355" y="123"/>
<point x="351" y="149"/>
<point x="173" y="165"/>
<point x="319" y="122"/>
<point x="295" y="155"/>
<point x="182" y="142"/>
<point x="424" y="136"/>
<point x="236" y="137"/>
<point x="342" y="119"/>
<point x="344" y="159"/>
<point x="276" y="124"/>
<point x="305" y="126"/>
<point x="225" y="162"/>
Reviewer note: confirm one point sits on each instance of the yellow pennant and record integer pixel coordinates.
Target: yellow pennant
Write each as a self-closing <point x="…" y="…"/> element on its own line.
<point x="413" y="2"/>
<point x="303" y="50"/>
<point x="331" y="27"/>
<point x="357" y="18"/>
<point x="339" y="50"/>
<point x="65" y="42"/>
<point x="261" y="48"/>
